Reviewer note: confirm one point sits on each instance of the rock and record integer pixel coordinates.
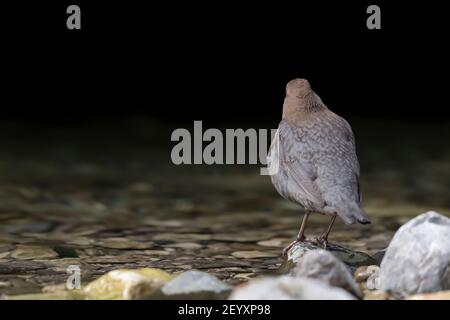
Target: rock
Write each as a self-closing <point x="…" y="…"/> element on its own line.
<point x="156" y="252"/>
<point x="31" y="252"/>
<point x="252" y="254"/>
<point x="127" y="284"/>
<point x="275" y="242"/>
<point x="351" y="258"/>
<point x="323" y="265"/>
<point x="121" y="243"/>
<point x="194" y="284"/>
<point x="418" y="258"/>
<point x="288" y="288"/>
<point x="186" y="245"/>
<point x="441" y="295"/>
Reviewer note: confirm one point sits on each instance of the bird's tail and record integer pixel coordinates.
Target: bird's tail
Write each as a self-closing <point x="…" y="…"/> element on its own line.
<point x="355" y="214"/>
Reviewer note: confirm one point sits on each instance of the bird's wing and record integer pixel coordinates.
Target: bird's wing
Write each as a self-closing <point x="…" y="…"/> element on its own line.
<point x="344" y="149"/>
<point x="301" y="173"/>
<point x="348" y="144"/>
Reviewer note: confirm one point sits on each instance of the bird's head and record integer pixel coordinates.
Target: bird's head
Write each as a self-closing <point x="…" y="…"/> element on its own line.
<point x="298" y="88"/>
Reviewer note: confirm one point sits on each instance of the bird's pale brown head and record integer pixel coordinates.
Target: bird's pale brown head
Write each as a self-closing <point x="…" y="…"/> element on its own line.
<point x="298" y="88"/>
<point x="300" y="100"/>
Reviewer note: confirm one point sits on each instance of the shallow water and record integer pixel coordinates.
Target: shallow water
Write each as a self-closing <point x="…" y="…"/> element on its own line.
<point x="109" y="198"/>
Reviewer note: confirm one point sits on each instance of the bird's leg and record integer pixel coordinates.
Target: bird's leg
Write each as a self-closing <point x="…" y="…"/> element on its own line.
<point x="301" y="232"/>
<point x="324" y="237"/>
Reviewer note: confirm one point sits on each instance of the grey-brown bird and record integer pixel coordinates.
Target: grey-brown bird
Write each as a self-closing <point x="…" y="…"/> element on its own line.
<point x="313" y="160"/>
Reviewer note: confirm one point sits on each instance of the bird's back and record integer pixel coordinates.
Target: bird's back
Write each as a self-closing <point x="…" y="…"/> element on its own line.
<point x="319" y="168"/>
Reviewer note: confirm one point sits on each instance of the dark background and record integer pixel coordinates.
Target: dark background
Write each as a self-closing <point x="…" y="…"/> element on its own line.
<point x="220" y="61"/>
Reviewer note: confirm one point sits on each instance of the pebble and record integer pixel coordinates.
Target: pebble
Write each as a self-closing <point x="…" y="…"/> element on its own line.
<point x="122" y="243"/>
<point x="253" y="254"/>
<point x="32" y="252"/>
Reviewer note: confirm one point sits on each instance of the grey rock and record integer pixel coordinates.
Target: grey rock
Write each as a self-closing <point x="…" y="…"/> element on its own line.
<point x="195" y="285"/>
<point x="323" y="265"/>
<point x="288" y="288"/>
<point x="418" y="258"/>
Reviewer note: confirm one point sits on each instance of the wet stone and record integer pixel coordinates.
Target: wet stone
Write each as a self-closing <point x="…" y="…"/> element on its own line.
<point x="31" y="252"/>
<point x="122" y="243"/>
<point x="351" y="258"/>
<point x="253" y="254"/>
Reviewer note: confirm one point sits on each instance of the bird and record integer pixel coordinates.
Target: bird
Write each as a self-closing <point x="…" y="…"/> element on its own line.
<point x="313" y="160"/>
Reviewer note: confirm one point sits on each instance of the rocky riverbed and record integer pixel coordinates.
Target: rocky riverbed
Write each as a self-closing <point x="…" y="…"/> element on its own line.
<point x="91" y="205"/>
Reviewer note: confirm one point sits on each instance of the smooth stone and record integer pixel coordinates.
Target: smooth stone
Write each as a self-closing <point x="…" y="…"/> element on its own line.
<point x="185" y="245"/>
<point x="288" y="288"/>
<point x="275" y="242"/>
<point x="156" y="252"/>
<point x="195" y="285"/>
<point x="441" y="295"/>
<point x="121" y="243"/>
<point x="253" y="254"/>
<point x="418" y="258"/>
<point x="351" y="258"/>
<point x="323" y="265"/>
<point x="32" y="252"/>
<point x="127" y="284"/>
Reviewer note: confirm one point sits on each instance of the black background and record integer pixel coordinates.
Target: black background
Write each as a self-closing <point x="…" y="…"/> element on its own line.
<point x="222" y="60"/>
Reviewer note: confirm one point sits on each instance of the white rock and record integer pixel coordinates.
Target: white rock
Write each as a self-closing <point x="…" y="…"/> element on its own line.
<point x="418" y="257"/>
<point x="323" y="265"/>
<point x="288" y="288"/>
<point x="195" y="285"/>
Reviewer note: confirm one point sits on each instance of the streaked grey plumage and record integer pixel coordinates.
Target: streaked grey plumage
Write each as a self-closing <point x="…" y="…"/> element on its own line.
<point x="318" y="166"/>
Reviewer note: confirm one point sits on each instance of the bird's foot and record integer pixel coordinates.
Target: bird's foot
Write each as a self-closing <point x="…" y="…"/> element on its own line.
<point x="286" y="250"/>
<point x="323" y="240"/>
